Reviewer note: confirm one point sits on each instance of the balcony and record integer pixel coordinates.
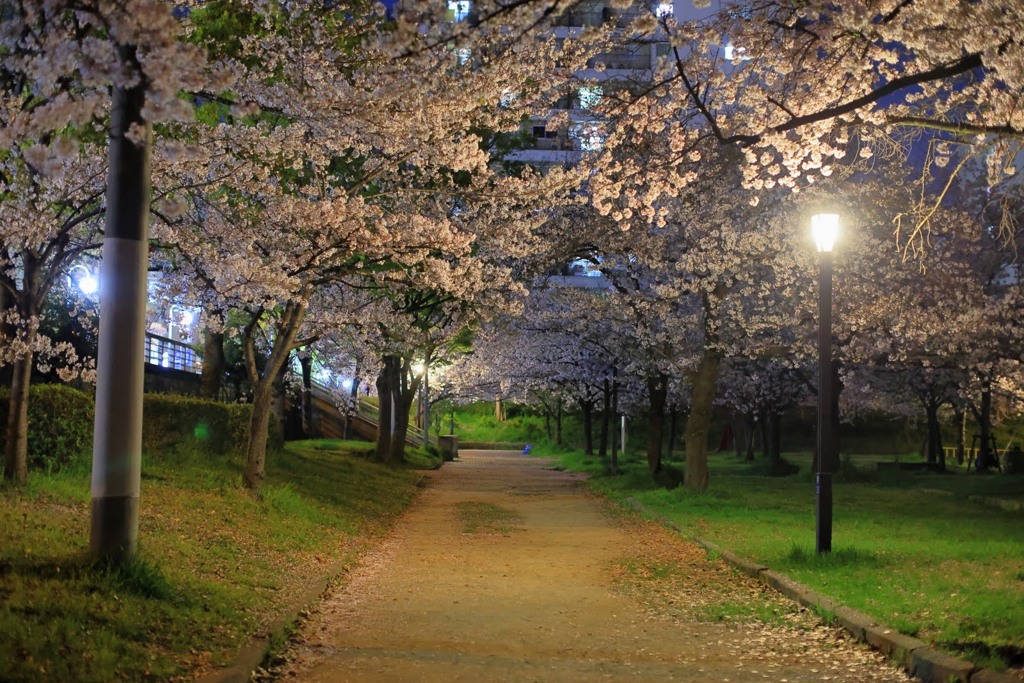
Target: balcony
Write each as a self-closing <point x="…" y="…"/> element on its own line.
<point x="581" y="17"/>
<point x="169" y="354"/>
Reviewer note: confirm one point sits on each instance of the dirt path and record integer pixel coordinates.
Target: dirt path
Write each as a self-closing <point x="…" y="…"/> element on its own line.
<point x="505" y="570"/>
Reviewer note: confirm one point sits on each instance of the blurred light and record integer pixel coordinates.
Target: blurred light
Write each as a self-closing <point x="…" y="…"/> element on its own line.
<point x="83" y="279"/>
<point x="89" y="284"/>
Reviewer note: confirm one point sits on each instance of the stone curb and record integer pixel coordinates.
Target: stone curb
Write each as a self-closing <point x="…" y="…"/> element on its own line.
<point x="915" y="656"/>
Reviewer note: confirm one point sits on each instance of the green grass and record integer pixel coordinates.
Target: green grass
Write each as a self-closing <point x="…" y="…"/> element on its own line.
<point x="216" y="564"/>
<point x="910" y="549"/>
<point x="477" y="424"/>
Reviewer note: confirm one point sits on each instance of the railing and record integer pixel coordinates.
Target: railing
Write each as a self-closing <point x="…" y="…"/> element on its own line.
<point x="970" y="454"/>
<point x="598" y="17"/>
<point x="173" y="355"/>
<point x="553" y="144"/>
<point x="371" y="413"/>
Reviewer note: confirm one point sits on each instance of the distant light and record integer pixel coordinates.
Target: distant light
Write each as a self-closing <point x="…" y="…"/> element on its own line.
<point x="664" y="9"/>
<point x="825" y="227"/>
<point x="346" y="384"/>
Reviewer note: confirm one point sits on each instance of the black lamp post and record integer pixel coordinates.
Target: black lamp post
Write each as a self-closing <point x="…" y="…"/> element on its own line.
<point x="825" y="227"/>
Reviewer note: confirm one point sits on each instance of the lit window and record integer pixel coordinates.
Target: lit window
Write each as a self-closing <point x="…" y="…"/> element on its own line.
<point x="458" y="9"/>
<point x="590" y="135"/>
<point x="590" y="96"/>
<point x="664" y="9"/>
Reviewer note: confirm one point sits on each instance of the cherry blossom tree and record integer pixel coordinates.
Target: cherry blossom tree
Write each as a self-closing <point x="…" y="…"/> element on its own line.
<point x="51" y="212"/>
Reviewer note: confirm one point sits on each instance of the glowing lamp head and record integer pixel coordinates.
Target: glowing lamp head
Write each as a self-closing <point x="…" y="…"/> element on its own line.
<point x="81" y="277"/>
<point x="89" y="284"/>
<point x="825" y="227"/>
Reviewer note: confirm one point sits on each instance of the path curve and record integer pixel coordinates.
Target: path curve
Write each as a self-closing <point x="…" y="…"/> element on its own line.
<point x="546" y="599"/>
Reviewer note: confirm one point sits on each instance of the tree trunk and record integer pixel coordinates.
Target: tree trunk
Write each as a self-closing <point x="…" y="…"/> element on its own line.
<point x="547" y="420"/>
<point x="774" y="423"/>
<point x="6" y="333"/>
<point x="16" y="445"/>
<point x="606" y="418"/>
<point x="587" y="409"/>
<point x="277" y="404"/>
<point x="499" y="410"/>
<point x="986" y="458"/>
<point x="762" y="424"/>
<point x="558" y="422"/>
<point x="259" y="429"/>
<point x="673" y="429"/>
<point x="213" y="364"/>
<point x="749" y="429"/>
<point x="404" y="387"/>
<point x="306" y="363"/>
<point x="263" y="386"/>
<point x="385" y="397"/>
<point x="960" y="417"/>
<point x="426" y="405"/>
<point x="657" y="389"/>
<point x="933" y="448"/>
<point x="614" y="467"/>
<point x="26" y="307"/>
<point x="699" y="421"/>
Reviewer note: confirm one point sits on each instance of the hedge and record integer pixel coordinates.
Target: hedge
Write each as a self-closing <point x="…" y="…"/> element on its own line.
<point x="171" y="422"/>
<point x="60" y="425"/>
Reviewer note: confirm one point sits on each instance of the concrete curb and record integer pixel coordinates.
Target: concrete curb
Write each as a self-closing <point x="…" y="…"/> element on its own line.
<point x="915" y="656"/>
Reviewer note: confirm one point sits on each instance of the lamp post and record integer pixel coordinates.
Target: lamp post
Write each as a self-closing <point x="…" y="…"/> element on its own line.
<point x="825" y="227"/>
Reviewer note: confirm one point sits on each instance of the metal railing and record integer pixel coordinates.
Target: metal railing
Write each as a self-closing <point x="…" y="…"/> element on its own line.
<point x="173" y="355"/>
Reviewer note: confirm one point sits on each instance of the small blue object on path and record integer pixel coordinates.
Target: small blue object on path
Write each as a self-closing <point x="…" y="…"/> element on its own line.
<point x="526" y="451"/>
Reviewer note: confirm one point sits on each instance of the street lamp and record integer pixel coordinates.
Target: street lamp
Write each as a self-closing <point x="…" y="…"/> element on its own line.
<point x="83" y="278"/>
<point x="825" y="227"/>
<point x="422" y="368"/>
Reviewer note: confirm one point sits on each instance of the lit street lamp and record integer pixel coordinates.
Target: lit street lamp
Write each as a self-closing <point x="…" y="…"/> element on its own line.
<point x="825" y="227"/>
<point x="83" y="279"/>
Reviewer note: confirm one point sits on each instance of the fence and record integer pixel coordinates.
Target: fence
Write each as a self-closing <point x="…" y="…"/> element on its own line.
<point x="172" y="355"/>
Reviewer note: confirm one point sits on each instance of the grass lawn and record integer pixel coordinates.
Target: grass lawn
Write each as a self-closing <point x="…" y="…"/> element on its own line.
<point x="912" y="550"/>
<point x="216" y="565"/>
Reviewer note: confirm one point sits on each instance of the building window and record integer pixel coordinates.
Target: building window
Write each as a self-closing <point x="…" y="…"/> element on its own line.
<point x="458" y="9"/>
<point x="590" y="96"/>
<point x="590" y="135"/>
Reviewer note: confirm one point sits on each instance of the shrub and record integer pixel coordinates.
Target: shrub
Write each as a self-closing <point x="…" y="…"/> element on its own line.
<point x="59" y="425"/>
<point x="173" y="423"/>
